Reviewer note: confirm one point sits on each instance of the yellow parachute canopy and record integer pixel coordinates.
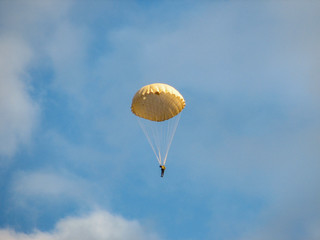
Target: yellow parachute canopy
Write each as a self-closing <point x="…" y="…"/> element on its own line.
<point x="157" y="102"/>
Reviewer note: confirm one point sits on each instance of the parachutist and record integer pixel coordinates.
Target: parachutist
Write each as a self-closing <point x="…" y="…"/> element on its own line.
<point x="162" y="170"/>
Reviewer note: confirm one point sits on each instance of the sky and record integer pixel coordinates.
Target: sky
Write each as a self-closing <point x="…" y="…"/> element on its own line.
<point x="245" y="160"/>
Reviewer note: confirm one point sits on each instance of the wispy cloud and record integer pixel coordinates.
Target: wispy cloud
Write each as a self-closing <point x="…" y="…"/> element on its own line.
<point x="48" y="186"/>
<point x="18" y="111"/>
<point x="21" y="36"/>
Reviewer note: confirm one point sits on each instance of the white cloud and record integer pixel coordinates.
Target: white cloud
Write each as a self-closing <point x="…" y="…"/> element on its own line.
<point x="25" y="26"/>
<point x="32" y="20"/>
<point x="99" y="225"/>
<point x="18" y="111"/>
<point x="50" y="187"/>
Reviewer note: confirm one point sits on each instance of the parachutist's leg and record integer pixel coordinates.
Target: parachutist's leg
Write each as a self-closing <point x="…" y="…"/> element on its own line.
<point x="162" y="172"/>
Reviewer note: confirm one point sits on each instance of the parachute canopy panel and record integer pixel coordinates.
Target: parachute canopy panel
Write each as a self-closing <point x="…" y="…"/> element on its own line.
<point x="157" y="102"/>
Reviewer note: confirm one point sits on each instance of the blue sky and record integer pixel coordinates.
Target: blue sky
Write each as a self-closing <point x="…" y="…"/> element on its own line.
<point x="245" y="160"/>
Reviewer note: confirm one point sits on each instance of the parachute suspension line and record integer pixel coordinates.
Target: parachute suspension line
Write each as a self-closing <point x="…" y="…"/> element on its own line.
<point x="160" y="136"/>
<point x="149" y="139"/>
<point x="157" y="130"/>
<point x="159" y="139"/>
<point x="170" y="134"/>
<point x="168" y="131"/>
<point x="156" y="137"/>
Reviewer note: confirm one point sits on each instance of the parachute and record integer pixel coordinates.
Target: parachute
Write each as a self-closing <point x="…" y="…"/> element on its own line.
<point x="158" y="106"/>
